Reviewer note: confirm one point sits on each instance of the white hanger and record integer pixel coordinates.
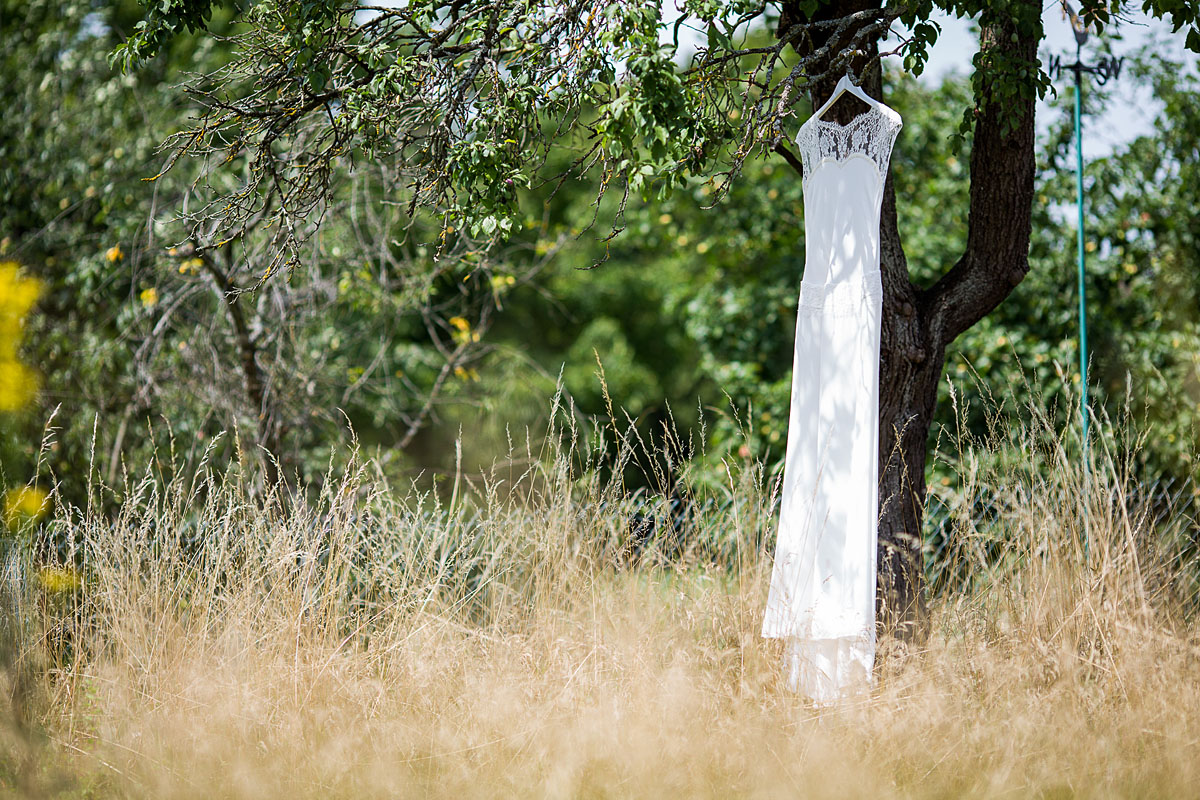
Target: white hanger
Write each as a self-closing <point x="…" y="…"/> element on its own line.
<point x="846" y="85"/>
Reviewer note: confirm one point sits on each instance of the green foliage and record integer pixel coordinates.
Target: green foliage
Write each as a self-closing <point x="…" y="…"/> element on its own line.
<point x="406" y="324"/>
<point x="710" y="292"/>
<point x="467" y="101"/>
<point x="69" y="190"/>
<point x="465" y="107"/>
<point x="135" y="337"/>
<point x="1141" y="295"/>
<point x="162" y="22"/>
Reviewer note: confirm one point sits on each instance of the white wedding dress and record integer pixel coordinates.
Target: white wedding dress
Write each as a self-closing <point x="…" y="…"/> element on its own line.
<point x="822" y="596"/>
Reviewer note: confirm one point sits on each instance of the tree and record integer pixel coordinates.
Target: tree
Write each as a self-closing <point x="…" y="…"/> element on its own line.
<point x="67" y="215"/>
<point x="138" y="342"/>
<point x="468" y="99"/>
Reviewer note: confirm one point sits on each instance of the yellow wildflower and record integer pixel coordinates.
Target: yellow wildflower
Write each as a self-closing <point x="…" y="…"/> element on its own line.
<point x="501" y="282"/>
<point x="462" y="330"/>
<point x="58" y="580"/>
<point x="18" y="384"/>
<point x="149" y="297"/>
<point x="114" y="254"/>
<point x="17" y="293"/>
<point x="17" y="296"/>
<point x="28" y="503"/>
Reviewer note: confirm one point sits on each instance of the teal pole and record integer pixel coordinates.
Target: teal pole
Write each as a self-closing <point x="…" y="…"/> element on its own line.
<point x="1083" y="346"/>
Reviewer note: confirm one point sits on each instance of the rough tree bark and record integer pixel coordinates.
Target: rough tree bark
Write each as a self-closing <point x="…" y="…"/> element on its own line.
<point x="920" y="323"/>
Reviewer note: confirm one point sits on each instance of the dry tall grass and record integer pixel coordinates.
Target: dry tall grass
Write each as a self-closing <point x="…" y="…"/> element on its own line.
<point x="373" y="645"/>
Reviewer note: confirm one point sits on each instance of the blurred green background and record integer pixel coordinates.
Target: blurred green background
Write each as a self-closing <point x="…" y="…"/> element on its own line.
<point x="687" y="315"/>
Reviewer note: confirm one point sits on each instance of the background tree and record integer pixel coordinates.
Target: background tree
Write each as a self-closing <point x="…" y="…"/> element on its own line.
<point x="467" y="100"/>
<point x="143" y="345"/>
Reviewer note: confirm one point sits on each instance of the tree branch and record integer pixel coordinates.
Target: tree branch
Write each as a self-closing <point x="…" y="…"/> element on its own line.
<point x="252" y="377"/>
<point x="790" y="157"/>
<point x="996" y="258"/>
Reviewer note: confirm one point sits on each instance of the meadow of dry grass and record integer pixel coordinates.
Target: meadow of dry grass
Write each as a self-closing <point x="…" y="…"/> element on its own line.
<point x="378" y="643"/>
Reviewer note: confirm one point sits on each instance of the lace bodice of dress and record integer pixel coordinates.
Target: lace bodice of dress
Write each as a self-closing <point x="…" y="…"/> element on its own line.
<point x="872" y="133"/>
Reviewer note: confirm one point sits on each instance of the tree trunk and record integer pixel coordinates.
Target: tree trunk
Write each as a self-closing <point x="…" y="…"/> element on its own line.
<point x="266" y="432"/>
<point x="919" y="324"/>
<point x="910" y="367"/>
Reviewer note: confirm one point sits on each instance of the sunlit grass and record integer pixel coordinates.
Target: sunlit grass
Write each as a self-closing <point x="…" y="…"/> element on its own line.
<point x="375" y="642"/>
